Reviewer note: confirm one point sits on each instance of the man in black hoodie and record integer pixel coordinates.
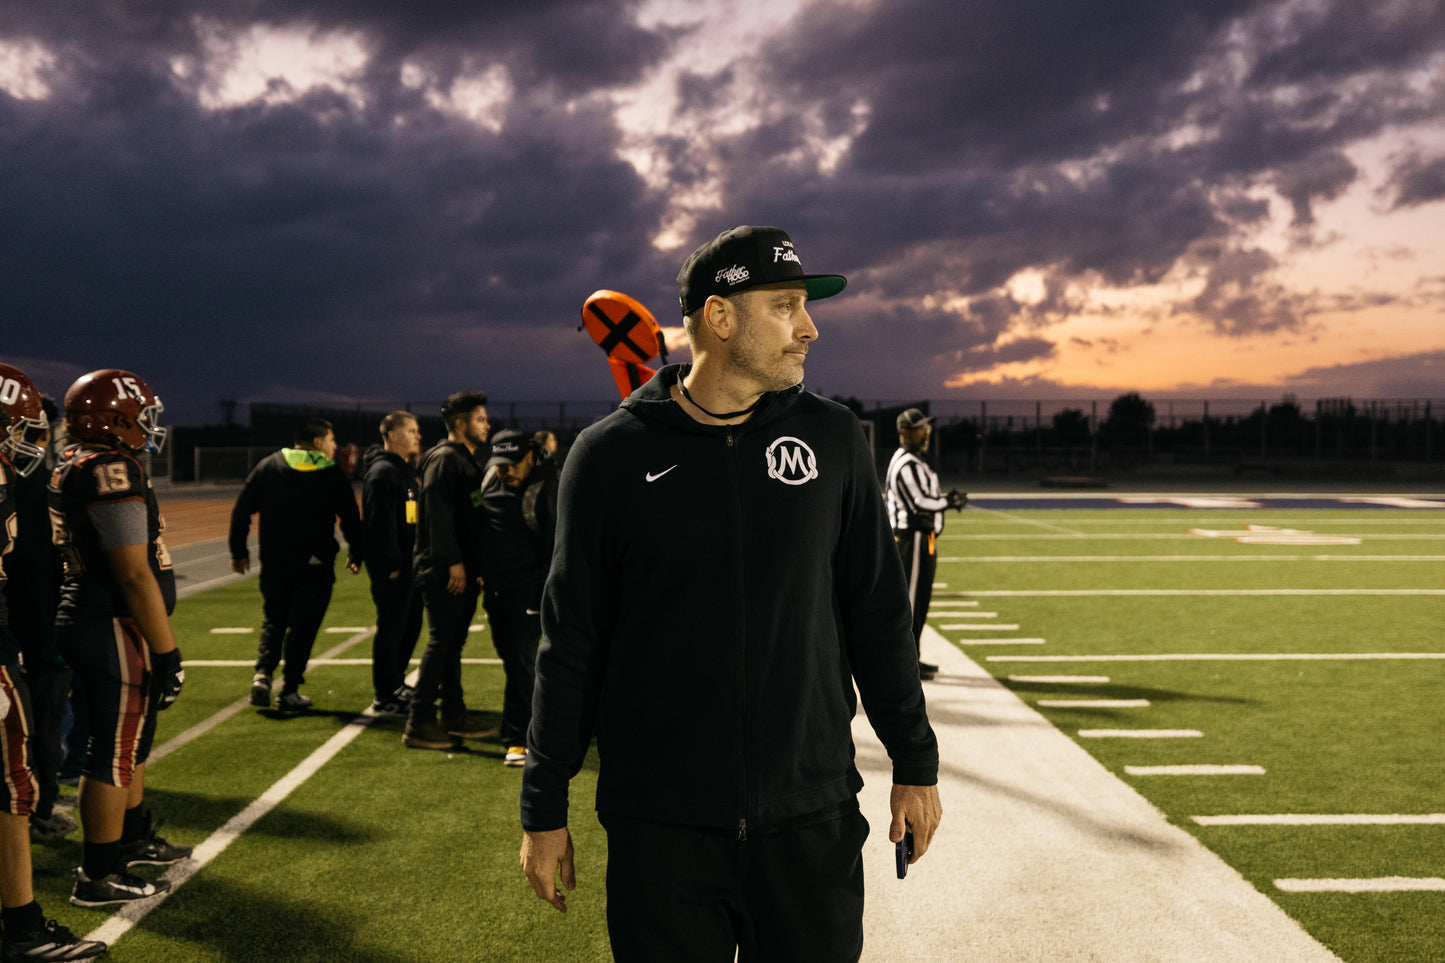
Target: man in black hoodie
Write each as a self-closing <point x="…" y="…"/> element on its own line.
<point x="715" y="656"/>
<point x="448" y="566"/>
<point x="519" y="499"/>
<point x="300" y="494"/>
<point x="389" y="492"/>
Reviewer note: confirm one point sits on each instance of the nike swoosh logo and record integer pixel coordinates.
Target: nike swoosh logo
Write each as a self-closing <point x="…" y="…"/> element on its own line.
<point x="652" y="478"/>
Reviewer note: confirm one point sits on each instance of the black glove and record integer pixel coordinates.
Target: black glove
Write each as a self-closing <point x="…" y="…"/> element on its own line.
<point x="167" y="677"/>
<point x="957" y="499"/>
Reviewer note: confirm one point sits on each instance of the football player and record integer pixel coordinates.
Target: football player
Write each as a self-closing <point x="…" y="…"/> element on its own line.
<point x="27" y="934"/>
<point x="113" y="626"/>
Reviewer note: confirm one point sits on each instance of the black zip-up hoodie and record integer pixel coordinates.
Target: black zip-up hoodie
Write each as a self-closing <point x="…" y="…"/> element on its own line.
<point x="449" y="525"/>
<point x="389" y="484"/>
<point x="714" y="594"/>
<point x="299" y="511"/>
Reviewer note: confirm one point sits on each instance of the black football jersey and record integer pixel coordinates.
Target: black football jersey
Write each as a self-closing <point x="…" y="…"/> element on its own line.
<point x="87" y="477"/>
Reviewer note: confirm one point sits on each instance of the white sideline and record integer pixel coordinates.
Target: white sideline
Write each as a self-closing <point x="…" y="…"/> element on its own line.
<point x="216" y="843"/>
<point x="1227" y="657"/>
<point x="1045" y="855"/>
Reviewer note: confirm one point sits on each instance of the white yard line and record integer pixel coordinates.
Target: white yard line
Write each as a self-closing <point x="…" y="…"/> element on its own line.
<point x="980" y="627"/>
<point x="1227" y="657"/>
<point x="968" y="641"/>
<point x="1064" y="679"/>
<point x="210" y="722"/>
<point x="1031" y="559"/>
<point x="1324" y="819"/>
<point x="1185" y="593"/>
<point x="966" y="615"/>
<point x="238" y="663"/>
<point x="1140" y="734"/>
<point x="1195" y="770"/>
<point x="215" y="844"/>
<point x="1381" y="884"/>
<point x="1026" y="521"/>
<point x="1094" y="703"/>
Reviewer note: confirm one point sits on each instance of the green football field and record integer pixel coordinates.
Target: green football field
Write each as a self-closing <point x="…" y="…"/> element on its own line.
<point x="1310" y="671"/>
<point x="1303" y="666"/>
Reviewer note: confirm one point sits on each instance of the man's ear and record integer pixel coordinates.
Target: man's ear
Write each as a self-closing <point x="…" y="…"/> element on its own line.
<point x="720" y="316"/>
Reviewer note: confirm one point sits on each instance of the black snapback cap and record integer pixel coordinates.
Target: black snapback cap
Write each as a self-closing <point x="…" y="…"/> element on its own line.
<point x="743" y="258"/>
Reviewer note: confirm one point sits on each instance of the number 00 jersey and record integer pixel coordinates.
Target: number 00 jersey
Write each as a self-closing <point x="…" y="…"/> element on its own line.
<point x="101" y="499"/>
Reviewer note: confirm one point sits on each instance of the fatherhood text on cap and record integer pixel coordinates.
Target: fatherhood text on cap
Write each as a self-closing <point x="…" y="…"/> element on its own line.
<point x="745" y="257"/>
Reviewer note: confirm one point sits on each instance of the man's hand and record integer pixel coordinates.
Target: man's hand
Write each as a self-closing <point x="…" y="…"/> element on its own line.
<point x="167" y="676"/>
<point x="920" y="806"/>
<point x="456" y="578"/>
<point x="240" y="565"/>
<point x="542" y="854"/>
<point x="353" y="564"/>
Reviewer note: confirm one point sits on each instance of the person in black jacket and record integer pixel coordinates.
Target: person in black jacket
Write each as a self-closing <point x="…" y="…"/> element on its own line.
<point x="715" y="656"/>
<point x="447" y="563"/>
<point x="300" y="493"/>
<point x="519" y="499"/>
<point x="389" y="492"/>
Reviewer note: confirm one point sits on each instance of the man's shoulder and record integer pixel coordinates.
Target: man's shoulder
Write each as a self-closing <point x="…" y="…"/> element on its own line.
<point x="104" y="474"/>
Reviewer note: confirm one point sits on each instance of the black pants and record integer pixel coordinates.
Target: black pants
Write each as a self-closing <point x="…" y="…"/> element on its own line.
<point x="681" y="893"/>
<point x="516" y="630"/>
<point x="398" y="626"/>
<point x="49" y="690"/>
<point x="920" y="562"/>
<point x="293" y="603"/>
<point x="449" y="618"/>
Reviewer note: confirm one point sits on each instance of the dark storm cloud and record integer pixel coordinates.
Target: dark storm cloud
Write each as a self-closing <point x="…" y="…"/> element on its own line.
<point x="1114" y="140"/>
<point x="300" y="245"/>
<point x="1418" y="181"/>
<point x="368" y="245"/>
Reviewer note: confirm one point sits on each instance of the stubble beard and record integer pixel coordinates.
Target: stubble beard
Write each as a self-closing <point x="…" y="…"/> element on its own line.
<point x="772" y="372"/>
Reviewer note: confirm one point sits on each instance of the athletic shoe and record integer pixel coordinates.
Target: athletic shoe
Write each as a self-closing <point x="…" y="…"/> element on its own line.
<point x="428" y="735"/>
<point x="468" y="725"/>
<point x="516" y="756"/>
<point x="390" y="707"/>
<point x="152" y="850"/>
<point x="404" y="693"/>
<point x="261" y="690"/>
<point x="51" y="942"/>
<point x="292" y="701"/>
<point x="927" y="670"/>
<point x="47" y="829"/>
<point x="119" y="887"/>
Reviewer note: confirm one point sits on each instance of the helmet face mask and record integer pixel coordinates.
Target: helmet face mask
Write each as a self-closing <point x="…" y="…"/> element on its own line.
<point x="114" y="407"/>
<point x="22" y="421"/>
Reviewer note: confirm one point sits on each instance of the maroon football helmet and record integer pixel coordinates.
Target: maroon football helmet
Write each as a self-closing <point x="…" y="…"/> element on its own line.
<point x="113" y="407"/>
<point x="22" y="420"/>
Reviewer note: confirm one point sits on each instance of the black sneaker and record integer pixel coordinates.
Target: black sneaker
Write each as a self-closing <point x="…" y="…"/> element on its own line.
<point x="261" y="691"/>
<point x="151" y="849"/>
<point x="50" y="942"/>
<point x="119" y="887"/>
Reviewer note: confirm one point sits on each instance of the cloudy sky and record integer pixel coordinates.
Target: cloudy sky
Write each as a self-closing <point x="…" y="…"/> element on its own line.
<point x="364" y="201"/>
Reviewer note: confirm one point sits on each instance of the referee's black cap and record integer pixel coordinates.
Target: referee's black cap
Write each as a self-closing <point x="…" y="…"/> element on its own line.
<point x="913" y="419"/>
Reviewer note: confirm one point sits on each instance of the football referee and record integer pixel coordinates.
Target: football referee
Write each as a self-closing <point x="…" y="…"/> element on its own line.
<point x="915" y="510"/>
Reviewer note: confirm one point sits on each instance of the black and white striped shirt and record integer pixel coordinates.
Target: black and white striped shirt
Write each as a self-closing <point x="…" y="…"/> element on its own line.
<point x="914" y="502"/>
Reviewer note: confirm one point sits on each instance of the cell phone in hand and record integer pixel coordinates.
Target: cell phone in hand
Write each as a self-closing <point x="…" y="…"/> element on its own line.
<point x="903" y="851"/>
